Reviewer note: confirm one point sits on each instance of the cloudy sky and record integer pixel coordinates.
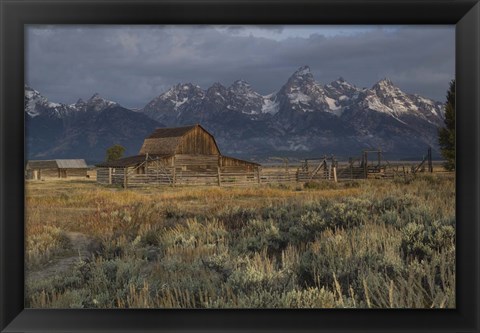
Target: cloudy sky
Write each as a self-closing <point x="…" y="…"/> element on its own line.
<point x="133" y="64"/>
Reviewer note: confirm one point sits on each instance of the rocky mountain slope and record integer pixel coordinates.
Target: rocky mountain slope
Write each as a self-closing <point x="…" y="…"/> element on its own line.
<point x="81" y="130"/>
<point x="303" y="118"/>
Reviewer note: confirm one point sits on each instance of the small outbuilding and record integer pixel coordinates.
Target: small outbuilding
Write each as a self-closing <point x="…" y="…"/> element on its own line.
<point x="181" y="155"/>
<point x="59" y="168"/>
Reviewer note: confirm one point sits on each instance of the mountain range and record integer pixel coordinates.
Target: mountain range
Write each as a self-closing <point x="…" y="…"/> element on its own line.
<point x="302" y="119"/>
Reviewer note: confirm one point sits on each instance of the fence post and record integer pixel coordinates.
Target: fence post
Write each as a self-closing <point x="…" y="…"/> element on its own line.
<point x="430" y="165"/>
<point x="335" y="174"/>
<point x="219" y="176"/>
<point x="174" y="176"/>
<point x="109" y="176"/>
<point x="125" y="179"/>
<point x="365" y="165"/>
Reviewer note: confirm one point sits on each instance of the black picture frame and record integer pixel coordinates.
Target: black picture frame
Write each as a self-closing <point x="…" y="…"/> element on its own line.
<point x="465" y="14"/>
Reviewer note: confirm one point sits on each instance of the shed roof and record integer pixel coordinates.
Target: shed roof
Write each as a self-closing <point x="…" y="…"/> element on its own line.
<point x="130" y="161"/>
<point x="57" y="164"/>
<point x="244" y="161"/>
<point x="71" y="164"/>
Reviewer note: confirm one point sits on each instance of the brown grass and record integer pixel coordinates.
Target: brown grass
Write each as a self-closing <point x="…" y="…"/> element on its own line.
<point x="263" y="246"/>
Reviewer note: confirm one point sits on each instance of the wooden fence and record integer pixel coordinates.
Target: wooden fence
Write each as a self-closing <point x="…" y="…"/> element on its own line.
<point x="210" y="170"/>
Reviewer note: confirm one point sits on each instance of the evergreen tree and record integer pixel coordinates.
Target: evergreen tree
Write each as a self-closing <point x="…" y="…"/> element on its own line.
<point x="446" y="135"/>
<point x="115" y="152"/>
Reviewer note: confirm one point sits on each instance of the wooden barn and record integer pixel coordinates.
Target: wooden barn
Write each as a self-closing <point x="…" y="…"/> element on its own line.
<point x="182" y="155"/>
<point x="43" y="169"/>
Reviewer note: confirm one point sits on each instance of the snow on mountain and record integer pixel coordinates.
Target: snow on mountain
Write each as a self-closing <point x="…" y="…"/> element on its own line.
<point x="342" y="92"/>
<point x="83" y="129"/>
<point x="242" y="98"/>
<point x="35" y="105"/>
<point x="302" y="93"/>
<point x="97" y="103"/>
<point x="387" y="98"/>
<point x="302" y="116"/>
<point x="270" y="104"/>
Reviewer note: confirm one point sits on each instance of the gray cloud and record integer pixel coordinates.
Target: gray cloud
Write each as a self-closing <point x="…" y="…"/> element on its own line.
<point x="133" y="64"/>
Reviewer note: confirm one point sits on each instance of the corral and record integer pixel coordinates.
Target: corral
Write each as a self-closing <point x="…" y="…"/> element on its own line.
<point x="190" y="156"/>
<point x="179" y="156"/>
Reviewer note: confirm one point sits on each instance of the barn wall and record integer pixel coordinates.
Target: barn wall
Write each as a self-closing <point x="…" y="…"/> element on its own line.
<point x="102" y="175"/>
<point x="196" y="169"/>
<point x="29" y="174"/>
<point x="49" y="173"/>
<point x="164" y="161"/>
<point x="197" y="141"/>
<point x="118" y="176"/>
<point x="76" y="173"/>
<point x="230" y="161"/>
<point x="237" y="172"/>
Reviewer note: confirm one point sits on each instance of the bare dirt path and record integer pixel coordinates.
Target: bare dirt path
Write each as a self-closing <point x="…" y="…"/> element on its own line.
<point x="80" y="250"/>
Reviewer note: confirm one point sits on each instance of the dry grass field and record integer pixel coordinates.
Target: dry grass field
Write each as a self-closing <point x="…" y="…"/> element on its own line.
<point x="356" y="244"/>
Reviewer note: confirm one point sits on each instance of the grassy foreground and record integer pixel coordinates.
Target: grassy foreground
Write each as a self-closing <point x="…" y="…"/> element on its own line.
<point x="364" y="244"/>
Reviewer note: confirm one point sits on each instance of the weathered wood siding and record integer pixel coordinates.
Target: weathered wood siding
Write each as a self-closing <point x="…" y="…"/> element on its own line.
<point x="151" y="177"/>
<point x="75" y="173"/>
<point x="197" y="141"/>
<point x="47" y="173"/>
<point x="196" y="169"/>
<point x="184" y="169"/>
<point x="230" y="161"/>
<point x="239" y="175"/>
<point x="103" y="175"/>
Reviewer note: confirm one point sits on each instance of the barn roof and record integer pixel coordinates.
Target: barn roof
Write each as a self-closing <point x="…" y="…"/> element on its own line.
<point x="130" y="161"/>
<point x="166" y="140"/>
<point x="174" y="132"/>
<point x="57" y="164"/>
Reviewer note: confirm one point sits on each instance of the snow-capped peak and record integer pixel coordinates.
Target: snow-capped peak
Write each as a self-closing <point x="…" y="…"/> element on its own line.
<point x="97" y="103"/>
<point x="342" y="87"/>
<point x="341" y="82"/>
<point x="304" y="70"/>
<point x="242" y="94"/>
<point x="240" y="83"/>
<point x="384" y="83"/>
<point x="300" y="82"/>
<point x="36" y="104"/>
<point x="216" y="85"/>
<point x="241" y="86"/>
<point x="33" y="101"/>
